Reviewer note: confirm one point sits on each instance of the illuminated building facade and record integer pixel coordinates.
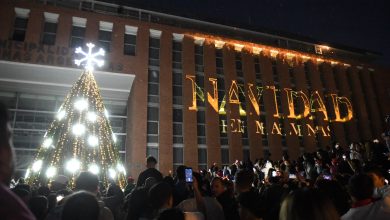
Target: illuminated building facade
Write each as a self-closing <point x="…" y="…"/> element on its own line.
<point x="187" y="91"/>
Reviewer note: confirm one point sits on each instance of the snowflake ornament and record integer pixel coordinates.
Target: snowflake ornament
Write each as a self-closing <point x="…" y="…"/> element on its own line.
<point x="89" y="58"/>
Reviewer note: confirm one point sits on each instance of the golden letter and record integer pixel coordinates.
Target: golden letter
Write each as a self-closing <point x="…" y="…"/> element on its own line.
<point x="259" y="127"/>
<point x="336" y="100"/>
<point x="322" y="129"/>
<point x="213" y="100"/>
<point x="315" y="97"/>
<point x="276" y="115"/>
<point x="193" y="86"/>
<point x="310" y="128"/>
<point x="297" y="130"/>
<point x="232" y="122"/>
<point x="290" y="99"/>
<point x="253" y="99"/>
<point x="233" y="93"/>
<point x="223" y="126"/>
<point x="275" y="127"/>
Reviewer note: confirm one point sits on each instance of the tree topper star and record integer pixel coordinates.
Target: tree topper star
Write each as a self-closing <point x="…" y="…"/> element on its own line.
<point x="90" y="58"/>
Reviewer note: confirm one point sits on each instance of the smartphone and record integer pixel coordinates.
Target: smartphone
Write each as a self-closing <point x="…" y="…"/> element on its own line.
<point x="274" y="173"/>
<point x="188" y="173"/>
<point x="327" y="177"/>
<point x="292" y="176"/>
<point x="344" y="157"/>
<point x="59" y="198"/>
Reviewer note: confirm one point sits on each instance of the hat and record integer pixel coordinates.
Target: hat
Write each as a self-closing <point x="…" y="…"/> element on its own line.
<point x="61" y="179"/>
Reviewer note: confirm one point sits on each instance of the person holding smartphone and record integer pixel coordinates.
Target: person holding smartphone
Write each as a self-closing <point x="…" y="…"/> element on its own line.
<point x="208" y="206"/>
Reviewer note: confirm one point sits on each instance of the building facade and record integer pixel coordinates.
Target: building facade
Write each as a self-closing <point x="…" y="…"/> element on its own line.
<point x="187" y="91"/>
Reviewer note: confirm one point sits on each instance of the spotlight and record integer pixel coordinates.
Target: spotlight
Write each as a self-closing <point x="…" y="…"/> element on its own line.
<point x="91" y="116"/>
<point x="93" y="168"/>
<point x="78" y="129"/>
<point x="73" y="165"/>
<point x="51" y="171"/>
<point x="93" y="141"/>
<point x="47" y="142"/>
<point x="37" y="166"/>
<point x="81" y="104"/>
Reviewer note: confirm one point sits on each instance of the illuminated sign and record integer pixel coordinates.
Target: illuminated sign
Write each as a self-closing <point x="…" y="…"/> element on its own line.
<point x="311" y="104"/>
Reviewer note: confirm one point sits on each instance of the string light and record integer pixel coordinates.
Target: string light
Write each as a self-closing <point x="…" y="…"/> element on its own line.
<point x="106" y="113"/>
<point x="93" y="168"/>
<point x="81" y="104"/>
<point x="93" y="141"/>
<point x="112" y="173"/>
<point x="73" y="165"/>
<point x="121" y="168"/>
<point x="47" y="142"/>
<point x="27" y="173"/>
<point x="60" y="115"/>
<point x="37" y="166"/>
<point x="91" y="116"/>
<point x="114" y="137"/>
<point x="78" y="129"/>
<point x="51" y="172"/>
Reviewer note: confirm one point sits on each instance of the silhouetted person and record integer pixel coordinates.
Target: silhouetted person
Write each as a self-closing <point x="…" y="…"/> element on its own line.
<point x="307" y="204"/>
<point x="225" y="198"/>
<point x="150" y="171"/>
<point x="251" y="204"/>
<point x="89" y="182"/>
<point x="169" y="214"/>
<point x="11" y="207"/>
<point x="361" y="188"/>
<point x="81" y="205"/>
<point x="39" y="206"/>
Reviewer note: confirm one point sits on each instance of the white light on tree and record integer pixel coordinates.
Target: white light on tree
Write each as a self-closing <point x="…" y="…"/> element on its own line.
<point x="112" y="173"/>
<point x="37" y="166"/>
<point x="106" y="113"/>
<point x="93" y="141"/>
<point x="90" y="58"/>
<point x="93" y="168"/>
<point x="27" y="173"/>
<point x="81" y="104"/>
<point x="73" y="165"/>
<point x="91" y="116"/>
<point x="47" y="142"/>
<point x="114" y="137"/>
<point x="61" y="114"/>
<point x="121" y="168"/>
<point x="51" y="171"/>
<point x="78" y="129"/>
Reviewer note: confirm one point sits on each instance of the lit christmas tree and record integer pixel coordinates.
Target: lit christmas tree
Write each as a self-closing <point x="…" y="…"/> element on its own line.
<point x="80" y="137"/>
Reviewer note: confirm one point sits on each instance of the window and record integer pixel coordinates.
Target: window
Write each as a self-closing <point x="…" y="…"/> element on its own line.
<point x="225" y="156"/>
<point x="104" y="37"/>
<point x="177" y="125"/>
<point x="130" y="40"/>
<point x="78" y="32"/>
<point x="50" y="28"/>
<point x="153" y="86"/>
<point x="202" y="157"/>
<point x="154" y="47"/>
<point x="177" y="80"/>
<point x="20" y="24"/>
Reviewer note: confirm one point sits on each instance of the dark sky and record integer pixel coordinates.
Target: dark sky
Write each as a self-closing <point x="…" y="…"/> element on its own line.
<point x="358" y="24"/>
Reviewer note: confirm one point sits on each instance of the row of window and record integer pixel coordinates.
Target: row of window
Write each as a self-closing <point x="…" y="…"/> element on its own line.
<point x="77" y="37"/>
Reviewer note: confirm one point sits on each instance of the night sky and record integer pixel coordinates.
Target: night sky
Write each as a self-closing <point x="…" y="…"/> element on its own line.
<point x="358" y="24"/>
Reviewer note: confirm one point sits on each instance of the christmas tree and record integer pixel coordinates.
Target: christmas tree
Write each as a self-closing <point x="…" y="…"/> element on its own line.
<point x="80" y="137"/>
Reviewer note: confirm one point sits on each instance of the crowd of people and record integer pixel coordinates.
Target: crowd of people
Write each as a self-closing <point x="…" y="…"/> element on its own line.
<point x="335" y="183"/>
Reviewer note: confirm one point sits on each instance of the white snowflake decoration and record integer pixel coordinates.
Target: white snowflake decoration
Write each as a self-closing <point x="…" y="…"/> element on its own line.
<point x="90" y="58"/>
